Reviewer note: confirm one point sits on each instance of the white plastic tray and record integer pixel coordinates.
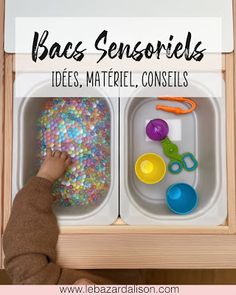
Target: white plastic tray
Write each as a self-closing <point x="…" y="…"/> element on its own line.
<point x="121" y="8"/>
<point x="201" y="132"/>
<point x="28" y="101"/>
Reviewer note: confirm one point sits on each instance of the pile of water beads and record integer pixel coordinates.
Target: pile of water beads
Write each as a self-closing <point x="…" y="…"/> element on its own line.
<point x="81" y="127"/>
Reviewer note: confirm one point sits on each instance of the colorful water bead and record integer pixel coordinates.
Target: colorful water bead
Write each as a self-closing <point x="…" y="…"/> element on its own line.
<point x="81" y="127"/>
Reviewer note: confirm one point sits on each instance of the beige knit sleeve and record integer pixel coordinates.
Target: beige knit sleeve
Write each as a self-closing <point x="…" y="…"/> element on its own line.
<point x="30" y="239"/>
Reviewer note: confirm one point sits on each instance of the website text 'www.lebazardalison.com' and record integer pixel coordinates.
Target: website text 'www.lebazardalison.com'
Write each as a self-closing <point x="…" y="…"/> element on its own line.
<point x="119" y="289"/>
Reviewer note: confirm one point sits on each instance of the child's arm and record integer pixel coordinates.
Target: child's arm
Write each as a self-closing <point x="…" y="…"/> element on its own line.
<point x="30" y="238"/>
<point x="31" y="235"/>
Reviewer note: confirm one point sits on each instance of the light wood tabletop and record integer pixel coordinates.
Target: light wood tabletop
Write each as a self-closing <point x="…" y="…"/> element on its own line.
<point x="121" y="245"/>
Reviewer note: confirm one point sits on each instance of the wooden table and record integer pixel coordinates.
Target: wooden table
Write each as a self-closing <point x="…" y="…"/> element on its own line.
<point x="121" y="245"/>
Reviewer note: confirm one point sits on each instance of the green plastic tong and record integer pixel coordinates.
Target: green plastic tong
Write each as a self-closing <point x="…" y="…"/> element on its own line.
<point x="178" y="162"/>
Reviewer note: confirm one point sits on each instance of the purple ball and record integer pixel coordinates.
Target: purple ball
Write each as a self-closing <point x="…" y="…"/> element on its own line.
<point x="157" y="129"/>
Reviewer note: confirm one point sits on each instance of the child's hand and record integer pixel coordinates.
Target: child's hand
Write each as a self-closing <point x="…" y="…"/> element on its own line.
<point x="54" y="165"/>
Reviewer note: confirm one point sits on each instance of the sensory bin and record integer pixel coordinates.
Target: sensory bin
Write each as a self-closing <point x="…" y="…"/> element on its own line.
<point x="87" y="128"/>
<point x="81" y="127"/>
<point x="201" y="132"/>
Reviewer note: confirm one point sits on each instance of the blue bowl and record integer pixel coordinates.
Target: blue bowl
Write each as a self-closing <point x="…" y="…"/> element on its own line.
<point x="181" y="198"/>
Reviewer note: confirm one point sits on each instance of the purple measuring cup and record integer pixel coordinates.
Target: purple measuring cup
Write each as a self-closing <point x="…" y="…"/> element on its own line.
<point x="157" y="129"/>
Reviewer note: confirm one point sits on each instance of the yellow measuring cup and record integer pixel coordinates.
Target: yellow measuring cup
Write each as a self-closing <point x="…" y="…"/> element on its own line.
<point x="150" y="168"/>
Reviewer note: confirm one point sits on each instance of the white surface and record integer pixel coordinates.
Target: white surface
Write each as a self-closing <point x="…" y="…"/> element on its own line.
<point x="128" y="30"/>
<point x="108" y="8"/>
<point x="210" y="81"/>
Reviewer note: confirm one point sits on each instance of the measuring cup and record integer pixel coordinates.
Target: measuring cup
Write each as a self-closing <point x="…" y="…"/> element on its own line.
<point x="150" y="168"/>
<point x="181" y="198"/>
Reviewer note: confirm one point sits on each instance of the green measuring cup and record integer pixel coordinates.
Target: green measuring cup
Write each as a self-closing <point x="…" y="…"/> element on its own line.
<point x="178" y="162"/>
